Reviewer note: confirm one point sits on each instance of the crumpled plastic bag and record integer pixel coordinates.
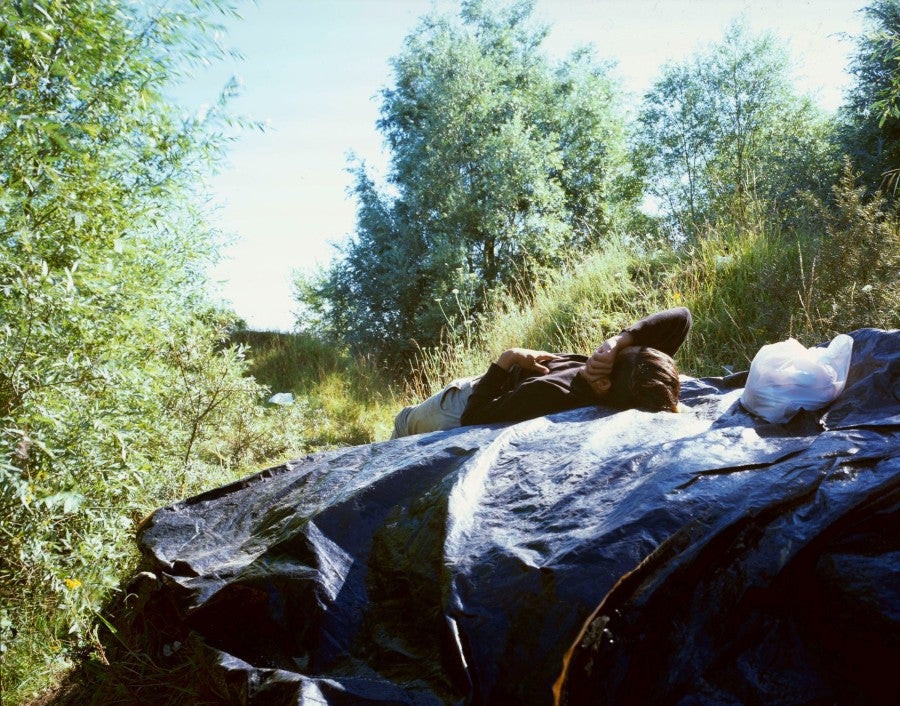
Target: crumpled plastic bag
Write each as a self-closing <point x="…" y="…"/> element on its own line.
<point x="786" y="377"/>
<point x="282" y="399"/>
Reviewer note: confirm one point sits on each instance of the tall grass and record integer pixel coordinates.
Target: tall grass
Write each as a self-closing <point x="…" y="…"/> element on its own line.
<point x="344" y="399"/>
<point x="748" y="280"/>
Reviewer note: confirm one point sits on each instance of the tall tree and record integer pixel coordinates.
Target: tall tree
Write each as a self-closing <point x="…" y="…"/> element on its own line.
<point x="872" y="110"/>
<point x="727" y="124"/>
<point x="501" y="162"/>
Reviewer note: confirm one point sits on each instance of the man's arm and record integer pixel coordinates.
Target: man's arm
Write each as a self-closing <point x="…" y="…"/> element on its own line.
<point x="664" y="330"/>
<point x="491" y="396"/>
<point x="598" y="368"/>
<point x="526" y="359"/>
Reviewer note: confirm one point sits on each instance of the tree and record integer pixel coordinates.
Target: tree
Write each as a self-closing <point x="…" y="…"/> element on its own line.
<point x="110" y="365"/>
<point x="726" y="125"/>
<point x="501" y="163"/>
<point x="872" y="111"/>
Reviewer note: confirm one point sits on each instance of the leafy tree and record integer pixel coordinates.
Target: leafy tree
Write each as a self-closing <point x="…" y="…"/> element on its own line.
<point x="872" y="110"/>
<point x="111" y="372"/>
<point x="725" y="125"/>
<point x="851" y="280"/>
<point x="501" y="164"/>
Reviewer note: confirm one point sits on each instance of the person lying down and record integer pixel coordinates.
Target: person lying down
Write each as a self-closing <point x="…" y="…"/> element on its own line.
<point x="632" y="370"/>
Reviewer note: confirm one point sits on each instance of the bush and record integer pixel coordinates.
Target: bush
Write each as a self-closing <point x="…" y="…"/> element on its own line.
<point x="852" y="277"/>
<point x="112" y="376"/>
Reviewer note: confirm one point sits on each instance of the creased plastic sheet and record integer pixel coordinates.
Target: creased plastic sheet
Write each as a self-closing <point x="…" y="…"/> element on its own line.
<point x="701" y="557"/>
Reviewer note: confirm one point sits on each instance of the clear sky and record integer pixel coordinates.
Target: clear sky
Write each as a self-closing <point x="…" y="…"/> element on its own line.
<point x="312" y="69"/>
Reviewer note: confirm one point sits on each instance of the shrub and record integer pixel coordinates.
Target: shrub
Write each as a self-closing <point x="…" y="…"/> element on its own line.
<point x="111" y="372"/>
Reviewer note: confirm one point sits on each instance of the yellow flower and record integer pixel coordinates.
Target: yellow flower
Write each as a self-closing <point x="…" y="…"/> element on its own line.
<point x="73" y="583"/>
<point x="677" y="297"/>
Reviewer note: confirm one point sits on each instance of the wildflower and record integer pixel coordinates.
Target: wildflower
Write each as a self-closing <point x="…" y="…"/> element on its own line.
<point x="677" y="297"/>
<point x="72" y="584"/>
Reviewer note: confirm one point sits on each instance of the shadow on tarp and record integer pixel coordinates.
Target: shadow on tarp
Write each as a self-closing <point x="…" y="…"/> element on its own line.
<point x="733" y="561"/>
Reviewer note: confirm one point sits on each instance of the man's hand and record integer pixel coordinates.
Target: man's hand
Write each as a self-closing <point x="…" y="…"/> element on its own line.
<point x="599" y="366"/>
<point x="526" y="359"/>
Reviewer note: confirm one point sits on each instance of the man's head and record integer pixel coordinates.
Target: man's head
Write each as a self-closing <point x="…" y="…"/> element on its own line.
<point x="644" y="378"/>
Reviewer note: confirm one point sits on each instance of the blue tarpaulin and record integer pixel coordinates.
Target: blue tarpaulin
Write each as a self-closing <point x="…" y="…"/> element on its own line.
<point x="623" y="556"/>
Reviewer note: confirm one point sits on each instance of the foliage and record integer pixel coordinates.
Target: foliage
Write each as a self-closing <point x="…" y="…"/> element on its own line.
<point x="339" y="399"/>
<point x="112" y="373"/>
<point x="872" y="111"/>
<point x="726" y="126"/>
<point x="812" y="280"/>
<point x="852" y="279"/>
<point x="500" y="163"/>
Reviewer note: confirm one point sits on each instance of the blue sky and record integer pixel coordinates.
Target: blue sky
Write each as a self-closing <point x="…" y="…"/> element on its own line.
<point x="312" y="70"/>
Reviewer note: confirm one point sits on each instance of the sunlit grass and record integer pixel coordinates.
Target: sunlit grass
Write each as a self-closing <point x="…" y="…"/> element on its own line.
<point x="748" y="281"/>
<point x="345" y="399"/>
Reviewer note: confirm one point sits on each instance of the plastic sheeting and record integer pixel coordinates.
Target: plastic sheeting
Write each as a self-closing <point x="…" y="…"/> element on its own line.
<point x="701" y="557"/>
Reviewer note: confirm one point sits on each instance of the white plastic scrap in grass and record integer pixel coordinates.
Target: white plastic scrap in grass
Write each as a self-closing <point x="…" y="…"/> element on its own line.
<point x="282" y="398"/>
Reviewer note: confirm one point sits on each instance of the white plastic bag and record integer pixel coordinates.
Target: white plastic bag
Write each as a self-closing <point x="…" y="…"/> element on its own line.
<point x="282" y="399"/>
<point x="786" y="377"/>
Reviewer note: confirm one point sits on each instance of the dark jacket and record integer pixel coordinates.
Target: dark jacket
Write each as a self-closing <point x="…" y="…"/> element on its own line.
<point x="514" y="395"/>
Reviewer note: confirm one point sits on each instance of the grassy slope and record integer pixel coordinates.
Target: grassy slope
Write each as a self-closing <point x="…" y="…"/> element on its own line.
<point x="349" y="398"/>
<point x="746" y="285"/>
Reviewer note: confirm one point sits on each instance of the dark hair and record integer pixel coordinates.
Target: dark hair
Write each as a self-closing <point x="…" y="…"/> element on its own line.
<point x="644" y="378"/>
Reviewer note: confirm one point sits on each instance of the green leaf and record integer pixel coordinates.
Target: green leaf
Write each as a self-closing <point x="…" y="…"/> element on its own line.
<point x="67" y="501"/>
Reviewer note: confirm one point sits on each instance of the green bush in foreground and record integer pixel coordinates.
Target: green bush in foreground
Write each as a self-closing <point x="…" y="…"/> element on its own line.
<point x="114" y="389"/>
